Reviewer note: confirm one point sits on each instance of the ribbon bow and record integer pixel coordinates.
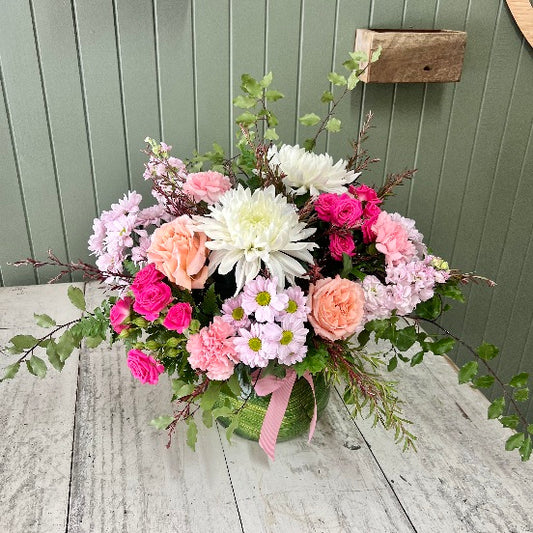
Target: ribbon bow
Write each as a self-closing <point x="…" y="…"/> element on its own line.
<point x="281" y="389"/>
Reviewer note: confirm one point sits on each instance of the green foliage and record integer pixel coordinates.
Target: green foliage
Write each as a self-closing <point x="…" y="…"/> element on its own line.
<point x="315" y="361"/>
<point x="442" y="346"/>
<point x="76" y="297"/>
<point x="11" y="371"/>
<point x="514" y="441"/>
<point x="483" y="382"/>
<point x="525" y="448"/>
<point x="404" y="338"/>
<point x="337" y="79"/>
<point x="333" y="125"/>
<point x="44" y="321"/>
<point x="310" y="119"/>
<point x="521" y="395"/>
<point x="327" y="96"/>
<point x="19" y="343"/>
<point x="192" y="433"/>
<point x="162" y="422"/>
<point x="487" y="351"/>
<point x="520" y="380"/>
<point x="36" y="366"/>
<point x="510" y="421"/>
<point x="417" y="358"/>
<point x="496" y="408"/>
<point x="430" y="309"/>
<point x="468" y="372"/>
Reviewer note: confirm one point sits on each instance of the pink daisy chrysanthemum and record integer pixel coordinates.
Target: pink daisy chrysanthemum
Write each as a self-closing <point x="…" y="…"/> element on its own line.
<point x="261" y="298"/>
<point x="289" y="339"/>
<point x="254" y="349"/>
<point x="297" y="304"/>
<point x="233" y="313"/>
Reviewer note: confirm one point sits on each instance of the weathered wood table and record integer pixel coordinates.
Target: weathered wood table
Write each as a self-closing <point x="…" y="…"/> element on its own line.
<point x="78" y="455"/>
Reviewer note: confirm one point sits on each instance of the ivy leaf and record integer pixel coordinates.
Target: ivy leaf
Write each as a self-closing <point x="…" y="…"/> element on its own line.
<point x="337" y="79"/>
<point x="327" y="96"/>
<point x="233" y="384"/>
<point x="393" y="363"/>
<point x="22" y="342"/>
<point x="267" y="80"/>
<point x="192" y="434"/>
<point x="310" y="119"/>
<point x="510" y="421"/>
<point x="451" y="291"/>
<point x="520" y="380"/>
<point x="271" y="135"/>
<point x="246" y="118"/>
<point x="514" y="441"/>
<point x="221" y="411"/>
<point x="251" y="86"/>
<point x="37" y="366"/>
<point x="44" y="321"/>
<point x="315" y="361"/>
<point x="76" y="297"/>
<point x="207" y="419"/>
<point x="209" y="397"/>
<point x="417" y="358"/>
<point x="11" y="371"/>
<point x="525" y="449"/>
<point x="487" y="351"/>
<point x="162" y="422"/>
<point x="53" y="357"/>
<point x="273" y="96"/>
<point x="430" y="309"/>
<point x="521" y="395"/>
<point x="483" y="382"/>
<point x="333" y="125"/>
<point x="496" y="408"/>
<point x="468" y="371"/>
<point x="309" y="144"/>
<point x="244" y="102"/>
<point x="353" y="80"/>
<point x="65" y="345"/>
<point x="376" y="54"/>
<point x="232" y="427"/>
<point x="442" y="346"/>
<point x="404" y="338"/>
<point x="181" y="389"/>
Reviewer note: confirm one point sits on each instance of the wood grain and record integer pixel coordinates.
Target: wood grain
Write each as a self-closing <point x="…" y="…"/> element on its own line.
<point x="36" y="417"/>
<point x="522" y="12"/>
<point x="123" y="476"/>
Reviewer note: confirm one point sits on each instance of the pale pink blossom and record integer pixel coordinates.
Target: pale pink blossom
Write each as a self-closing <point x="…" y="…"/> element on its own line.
<point x="207" y="186"/>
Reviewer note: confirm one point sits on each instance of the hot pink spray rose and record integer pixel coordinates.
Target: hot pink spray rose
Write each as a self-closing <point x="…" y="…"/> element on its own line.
<point x="337" y="307"/>
<point x="206" y="186"/>
<point x="119" y="313"/>
<point x="150" y="301"/>
<point x="146" y="276"/>
<point x="346" y="211"/>
<point x="144" y="367"/>
<point x="341" y="244"/>
<point x="324" y="205"/>
<point x="178" y="317"/>
<point x="365" y="194"/>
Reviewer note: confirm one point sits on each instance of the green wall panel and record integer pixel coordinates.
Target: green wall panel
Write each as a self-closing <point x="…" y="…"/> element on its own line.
<point x="82" y="84"/>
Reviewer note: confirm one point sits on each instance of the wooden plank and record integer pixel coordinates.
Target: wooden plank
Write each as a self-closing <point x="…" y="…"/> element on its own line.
<point x="461" y="479"/>
<point x="123" y="477"/>
<point x="332" y="484"/>
<point x="36" y="417"/>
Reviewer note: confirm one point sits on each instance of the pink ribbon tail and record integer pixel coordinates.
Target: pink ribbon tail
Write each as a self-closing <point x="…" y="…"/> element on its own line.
<point x="281" y="392"/>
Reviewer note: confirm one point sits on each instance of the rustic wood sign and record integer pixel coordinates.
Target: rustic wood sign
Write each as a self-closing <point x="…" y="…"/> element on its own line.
<point x="522" y="11"/>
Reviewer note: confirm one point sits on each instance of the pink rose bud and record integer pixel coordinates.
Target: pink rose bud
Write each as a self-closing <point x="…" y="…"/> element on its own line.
<point x="324" y="205"/>
<point x="151" y="300"/>
<point x="341" y="244"/>
<point x="178" y="317"/>
<point x="144" y="367"/>
<point x="347" y="211"/>
<point x="365" y="194"/>
<point x="119" y="313"/>
<point x="146" y="276"/>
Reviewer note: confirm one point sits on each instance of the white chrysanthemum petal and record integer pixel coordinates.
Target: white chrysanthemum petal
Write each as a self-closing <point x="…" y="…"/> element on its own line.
<point x="308" y="172"/>
<point x="248" y="229"/>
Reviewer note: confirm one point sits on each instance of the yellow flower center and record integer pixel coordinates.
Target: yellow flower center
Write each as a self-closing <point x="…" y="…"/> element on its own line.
<point x="255" y="344"/>
<point x="263" y="298"/>
<point x="292" y="307"/>
<point x="237" y="313"/>
<point x="286" y="337"/>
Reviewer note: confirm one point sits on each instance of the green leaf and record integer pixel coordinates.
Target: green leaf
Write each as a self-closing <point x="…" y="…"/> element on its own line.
<point x="358" y="56"/>
<point x="376" y="54"/>
<point x="251" y="86"/>
<point x="430" y="309"/>
<point x="207" y="419"/>
<point x="76" y="297"/>
<point x="273" y="96"/>
<point x="209" y="305"/>
<point x="346" y="265"/>
<point x="181" y="389"/>
<point x="327" y="96"/>
<point x="333" y="125"/>
<point x="267" y="80"/>
<point x="192" y="434"/>
<point x="232" y="427"/>
<point x="309" y="144"/>
<point x="483" y="382"/>
<point x="514" y="441"/>
<point x="496" y="408"/>
<point x="393" y="363"/>
<point x="530" y="428"/>
<point x="525" y="449"/>
<point x="351" y="64"/>
<point x="310" y="119"/>
<point x="246" y="118"/>
<point x="162" y="422"/>
<point x="244" y="102"/>
<point x="271" y="135"/>
<point x="353" y="80"/>
<point x="11" y="371"/>
<point x="315" y="361"/>
<point x="210" y="396"/>
<point x="363" y="338"/>
<point x="442" y="346"/>
<point x="451" y="291"/>
<point x="520" y="380"/>
<point x="417" y="358"/>
<point x="233" y="384"/>
<point x="44" y="320"/>
<point x="221" y="411"/>
<point x="510" y="421"/>
<point x="404" y="338"/>
<point x="487" y="351"/>
<point x="337" y="79"/>
<point x="23" y="342"/>
<point x="468" y="371"/>
<point x="521" y="395"/>
<point x="38" y="366"/>
<point x="53" y="357"/>
<point x="93" y="342"/>
<point x="65" y="345"/>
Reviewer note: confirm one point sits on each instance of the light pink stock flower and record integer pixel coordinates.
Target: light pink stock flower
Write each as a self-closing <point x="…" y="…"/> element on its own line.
<point x="206" y="186"/>
<point x="144" y="367"/>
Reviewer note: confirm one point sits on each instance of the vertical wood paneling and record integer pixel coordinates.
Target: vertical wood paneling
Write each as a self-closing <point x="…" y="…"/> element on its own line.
<point x="84" y="82"/>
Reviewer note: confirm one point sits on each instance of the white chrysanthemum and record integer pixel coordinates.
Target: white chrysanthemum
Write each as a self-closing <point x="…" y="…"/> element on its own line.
<point x="246" y="229"/>
<point x="306" y="171"/>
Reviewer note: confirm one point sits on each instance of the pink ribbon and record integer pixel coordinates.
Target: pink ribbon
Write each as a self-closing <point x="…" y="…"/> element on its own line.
<point x="281" y="389"/>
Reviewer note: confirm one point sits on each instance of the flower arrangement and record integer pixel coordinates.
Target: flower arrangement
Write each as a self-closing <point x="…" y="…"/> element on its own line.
<point x="254" y="273"/>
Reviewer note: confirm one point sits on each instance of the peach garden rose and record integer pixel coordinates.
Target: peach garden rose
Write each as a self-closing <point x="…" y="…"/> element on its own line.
<point x="337" y="307"/>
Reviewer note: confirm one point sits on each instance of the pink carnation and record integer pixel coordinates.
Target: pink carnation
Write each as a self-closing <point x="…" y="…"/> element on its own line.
<point x="119" y="313"/>
<point x="346" y="211"/>
<point x="145" y="277"/>
<point x="206" y="186"/>
<point x="178" y="317"/>
<point x="341" y="244"/>
<point x="152" y="299"/>
<point x="144" y="367"/>
<point x="392" y="240"/>
<point x="212" y="350"/>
